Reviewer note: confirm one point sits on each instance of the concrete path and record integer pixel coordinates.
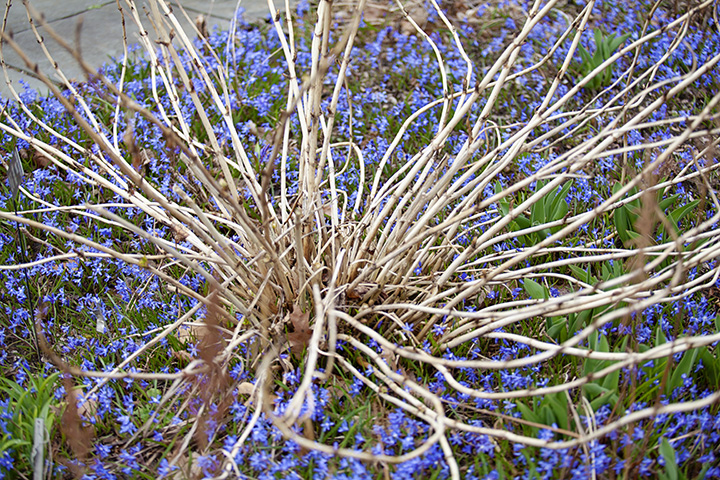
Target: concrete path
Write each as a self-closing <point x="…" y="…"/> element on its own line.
<point x="100" y="33"/>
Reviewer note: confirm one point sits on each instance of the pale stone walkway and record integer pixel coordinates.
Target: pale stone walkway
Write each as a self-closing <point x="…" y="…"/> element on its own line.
<point x="101" y="32"/>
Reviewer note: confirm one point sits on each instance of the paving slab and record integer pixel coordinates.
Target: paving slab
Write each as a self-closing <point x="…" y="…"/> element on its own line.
<point x="99" y="24"/>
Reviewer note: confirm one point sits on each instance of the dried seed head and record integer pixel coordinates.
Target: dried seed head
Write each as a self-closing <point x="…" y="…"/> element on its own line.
<point x="178" y="233"/>
<point x="201" y="25"/>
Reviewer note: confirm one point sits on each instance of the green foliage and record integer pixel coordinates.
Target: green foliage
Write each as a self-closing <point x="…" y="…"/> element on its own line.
<point x="33" y="400"/>
<point x="626" y="216"/>
<point x="683" y="369"/>
<point x="562" y="328"/>
<point x="671" y="469"/>
<point x="535" y="290"/>
<point x="549" y="208"/>
<point x="551" y="409"/>
<point x="605" y="47"/>
<point x="711" y="367"/>
<point x="603" y="390"/>
<point x="686" y="367"/>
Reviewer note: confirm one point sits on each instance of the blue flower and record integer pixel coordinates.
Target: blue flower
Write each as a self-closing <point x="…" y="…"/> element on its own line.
<point x="165" y="469"/>
<point x="126" y="424"/>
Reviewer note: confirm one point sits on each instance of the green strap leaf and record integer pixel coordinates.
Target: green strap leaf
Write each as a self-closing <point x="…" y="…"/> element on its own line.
<point x="668" y="453"/>
<point x="535" y="290"/>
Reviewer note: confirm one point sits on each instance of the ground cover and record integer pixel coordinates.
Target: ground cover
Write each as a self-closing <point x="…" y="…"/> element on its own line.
<point x="459" y="241"/>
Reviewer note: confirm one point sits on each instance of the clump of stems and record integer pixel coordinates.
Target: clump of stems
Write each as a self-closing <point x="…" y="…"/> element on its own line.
<point x="397" y="252"/>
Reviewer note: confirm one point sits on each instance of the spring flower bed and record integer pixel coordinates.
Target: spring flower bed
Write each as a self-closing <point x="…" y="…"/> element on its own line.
<point x="430" y="267"/>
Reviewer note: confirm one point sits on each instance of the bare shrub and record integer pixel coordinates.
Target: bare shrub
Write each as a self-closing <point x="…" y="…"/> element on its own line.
<point x="407" y="255"/>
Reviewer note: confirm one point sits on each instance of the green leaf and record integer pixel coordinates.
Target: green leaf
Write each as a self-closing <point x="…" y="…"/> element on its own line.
<point x="665" y="203"/>
<point x="607" y="75"/>
<point x="548" y="415"/>
<point x="498" y="188"/>
<point x="593" y="340"/>
<point x="13" y="443"/>
<point x="606" y="398"/>
<point x="527" y="414"/>
<point x="603" y="345"/>
<point x="617" y="269"/>
<point x="660" y="337"/>
<point x="523" y="222"/>
<point x="611" y="381"/>
<point x="558" y="404"/>
<point x="632" y="236"/>
<point x="711" y="367"/>
<point x="583" y="319"/>
<point x="614" y="43"/>
<point x="605" y="272"/>
<point x="678" y="214"/>
<point x="597" y="342"/>
<point x="558" y="203"/>
<point x="668" y="453"/>
<point x="504" y="207"/>
<point x="578" y="272"/>
<point x="600" y="53"/>
<point x="597" y="33"/>
<point x="684" y="367"/>
<point x="537" y="211"/>
<point x="554" y="331"/>
<point x="622" y="223"/>
<point x="535" y="290"/>
<point x="574" y="320"/>
<point x="592" y="389"/>
<point x="560" y="211"/>
<point x="585" y="59"/>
